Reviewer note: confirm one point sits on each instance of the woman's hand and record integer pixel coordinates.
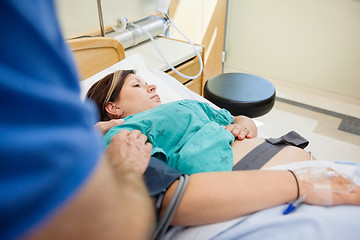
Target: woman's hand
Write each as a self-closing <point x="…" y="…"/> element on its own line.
<point x="331" y="198"/>
<point x="324" y="186"/>
<point x="242" y="127"/>
<point x="105" y="126"/>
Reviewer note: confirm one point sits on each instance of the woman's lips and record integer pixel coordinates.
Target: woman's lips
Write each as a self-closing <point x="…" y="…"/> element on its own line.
<point x="155" y="96"/>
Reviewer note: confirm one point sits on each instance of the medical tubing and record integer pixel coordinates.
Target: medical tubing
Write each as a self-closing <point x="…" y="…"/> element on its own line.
<point x="174" y="208"/>
<point x="169" y="208"/>
<point x="183" y="181"/>
<point x="169" y="211"/>
<point x="193" y="46"/>
<point x="164" y="222"/>
<point x="189" y="41"/>
<point x="165" y="59"/>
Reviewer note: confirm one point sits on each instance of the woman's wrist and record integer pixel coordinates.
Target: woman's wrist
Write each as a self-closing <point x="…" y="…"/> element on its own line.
<point x="305" y="186"/>
<point x="301" y="186"/>
<point x="297" y="184"/>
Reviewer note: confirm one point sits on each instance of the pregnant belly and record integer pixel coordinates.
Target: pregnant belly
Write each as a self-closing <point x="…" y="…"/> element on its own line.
<point x="287" y="155"/>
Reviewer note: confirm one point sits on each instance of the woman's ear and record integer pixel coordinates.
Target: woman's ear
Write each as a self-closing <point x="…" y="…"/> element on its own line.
<point x="113" y="110"/>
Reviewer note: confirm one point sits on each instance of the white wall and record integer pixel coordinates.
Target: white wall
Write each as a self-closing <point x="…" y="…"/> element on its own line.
<point x="314" y="43"/>
<point x="81" y="16"/>
<point x="203" y="22"/>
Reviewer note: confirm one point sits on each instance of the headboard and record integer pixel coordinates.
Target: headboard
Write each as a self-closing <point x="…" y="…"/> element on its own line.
<point x="95" y="54"/>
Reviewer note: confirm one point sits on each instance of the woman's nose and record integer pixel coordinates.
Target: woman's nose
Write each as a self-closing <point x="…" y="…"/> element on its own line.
<point x="152" y="88"/>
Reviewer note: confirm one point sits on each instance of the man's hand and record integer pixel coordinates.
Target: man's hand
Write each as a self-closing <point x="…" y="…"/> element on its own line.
<point x="129" y="151"/>
<point x="105" y="126"/>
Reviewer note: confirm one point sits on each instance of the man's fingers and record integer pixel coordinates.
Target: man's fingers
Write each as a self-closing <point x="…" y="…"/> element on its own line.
<point x="116" y="122"/>
<point x="105" y="126"/>
<point x="142" y="138"/>
<point x="148" y="146"/>
<point x="123" y="133"/>
<point x="134" y="134"/>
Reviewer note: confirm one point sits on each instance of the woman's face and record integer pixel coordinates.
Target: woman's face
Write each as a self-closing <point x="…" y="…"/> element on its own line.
<point x="136" y="96"/>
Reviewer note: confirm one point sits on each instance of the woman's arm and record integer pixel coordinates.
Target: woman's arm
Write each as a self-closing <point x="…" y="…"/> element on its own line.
<point x="220" y="196"/>
<point x="242" y="127"/>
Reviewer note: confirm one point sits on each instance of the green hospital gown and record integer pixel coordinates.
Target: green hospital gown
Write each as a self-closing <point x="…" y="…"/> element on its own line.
<point x="188" y="135"/>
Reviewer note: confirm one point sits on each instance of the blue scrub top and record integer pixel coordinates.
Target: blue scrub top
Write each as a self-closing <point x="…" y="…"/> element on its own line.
<point x="48" y="144"/>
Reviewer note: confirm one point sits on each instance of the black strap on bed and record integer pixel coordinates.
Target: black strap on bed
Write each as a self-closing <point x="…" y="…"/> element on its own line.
<point x="265" y="151"/>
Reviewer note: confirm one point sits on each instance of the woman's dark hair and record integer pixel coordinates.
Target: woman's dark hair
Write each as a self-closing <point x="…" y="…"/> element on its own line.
<point x="108" y="90"/>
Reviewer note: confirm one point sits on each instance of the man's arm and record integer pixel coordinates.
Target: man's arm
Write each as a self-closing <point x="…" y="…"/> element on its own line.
<point x="113" y="203"/>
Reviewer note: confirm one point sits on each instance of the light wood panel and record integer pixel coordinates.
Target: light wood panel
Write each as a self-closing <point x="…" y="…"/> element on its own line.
<point x="95" y="54"/>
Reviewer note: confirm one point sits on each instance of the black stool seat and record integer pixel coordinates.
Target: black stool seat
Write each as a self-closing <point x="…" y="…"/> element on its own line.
<point x="241" y="93"/>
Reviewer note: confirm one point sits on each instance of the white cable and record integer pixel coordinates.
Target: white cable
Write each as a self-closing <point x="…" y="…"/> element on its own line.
<point x="165" y="59"/>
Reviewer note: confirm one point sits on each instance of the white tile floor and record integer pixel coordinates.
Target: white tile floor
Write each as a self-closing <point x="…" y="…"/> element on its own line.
<point x="326" y="141"/>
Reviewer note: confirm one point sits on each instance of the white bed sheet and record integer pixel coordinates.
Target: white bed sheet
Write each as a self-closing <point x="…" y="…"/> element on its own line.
<point x="308" y="222"/>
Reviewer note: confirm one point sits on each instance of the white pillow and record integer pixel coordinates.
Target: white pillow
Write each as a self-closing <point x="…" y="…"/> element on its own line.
<point x="137" y="63"/>
<point x="168" y="88"/>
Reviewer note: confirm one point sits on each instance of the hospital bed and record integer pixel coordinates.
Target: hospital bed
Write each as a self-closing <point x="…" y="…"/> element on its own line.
<point x="307" y="222"/>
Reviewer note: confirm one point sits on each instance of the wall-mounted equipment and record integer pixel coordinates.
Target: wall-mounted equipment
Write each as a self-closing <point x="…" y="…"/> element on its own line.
<point x="132" y="33"/>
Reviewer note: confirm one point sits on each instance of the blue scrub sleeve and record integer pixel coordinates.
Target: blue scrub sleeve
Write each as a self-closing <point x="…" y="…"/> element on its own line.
<point x="48" y="144"/>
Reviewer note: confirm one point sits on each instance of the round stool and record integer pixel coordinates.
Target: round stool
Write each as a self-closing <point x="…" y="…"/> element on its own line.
<point x="241" y="94"/>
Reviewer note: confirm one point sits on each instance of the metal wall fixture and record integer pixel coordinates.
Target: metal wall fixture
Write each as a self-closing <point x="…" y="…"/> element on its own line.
<point x="134" y="33"/>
